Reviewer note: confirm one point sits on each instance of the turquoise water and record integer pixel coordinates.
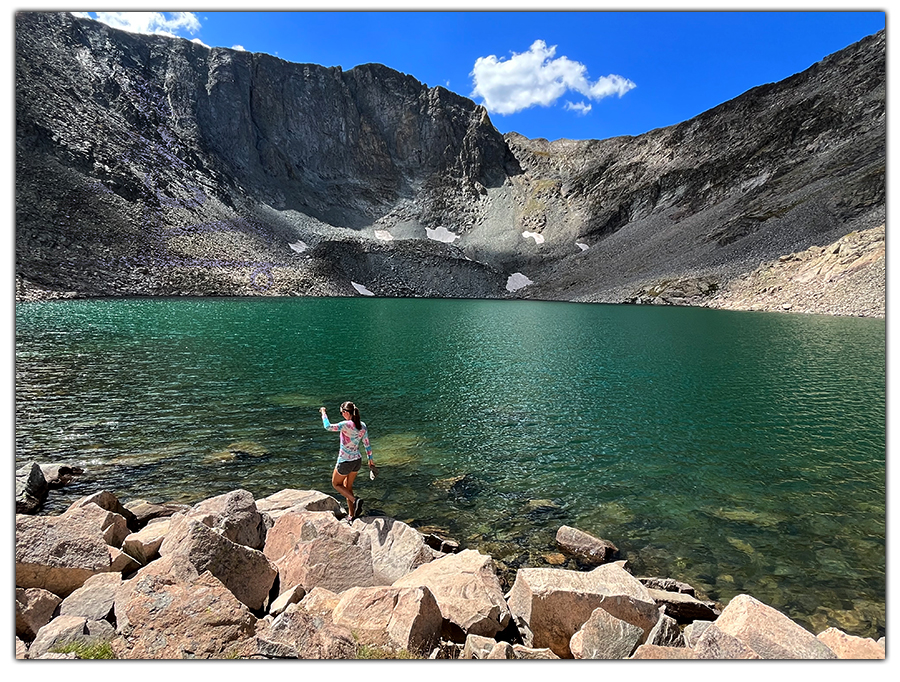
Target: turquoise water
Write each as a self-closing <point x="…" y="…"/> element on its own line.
<point x="739" y="452"/>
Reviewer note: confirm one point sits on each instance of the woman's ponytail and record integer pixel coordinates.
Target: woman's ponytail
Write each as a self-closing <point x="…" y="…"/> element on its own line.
<point x="354" y="413"/>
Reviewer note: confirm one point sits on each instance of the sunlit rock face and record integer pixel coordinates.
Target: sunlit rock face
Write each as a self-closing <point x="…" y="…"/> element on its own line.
<point x="148" y="165"/>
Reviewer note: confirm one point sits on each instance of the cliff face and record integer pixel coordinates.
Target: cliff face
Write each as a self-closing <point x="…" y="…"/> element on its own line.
<point x="151" y="165"/>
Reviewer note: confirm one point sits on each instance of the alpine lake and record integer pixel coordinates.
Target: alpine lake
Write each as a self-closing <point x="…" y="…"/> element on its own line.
<point x="740" y="452"/>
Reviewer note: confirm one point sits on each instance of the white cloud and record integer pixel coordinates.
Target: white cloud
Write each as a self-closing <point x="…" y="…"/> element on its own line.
<point x="582" y="108"/>
<point x="163" y="23"/>
<point x="239" y="48"/>
<point x="536" y="78"/>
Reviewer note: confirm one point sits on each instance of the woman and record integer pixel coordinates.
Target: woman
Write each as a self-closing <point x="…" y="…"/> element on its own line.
<point x="353" y="432"/>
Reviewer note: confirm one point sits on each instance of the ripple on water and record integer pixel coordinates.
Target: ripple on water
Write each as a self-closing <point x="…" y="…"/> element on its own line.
<point x="708" y="446"/>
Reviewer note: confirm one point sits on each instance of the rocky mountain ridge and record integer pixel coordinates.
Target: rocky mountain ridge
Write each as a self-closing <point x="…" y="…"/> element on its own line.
<point x="148" y="165"/>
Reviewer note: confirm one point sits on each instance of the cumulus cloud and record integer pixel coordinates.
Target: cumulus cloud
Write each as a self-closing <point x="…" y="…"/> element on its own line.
<point x="581" y="108"/>
<point x="239" y="48"/>
<point x="538" y="78"/>
<point x="162" y="23"/>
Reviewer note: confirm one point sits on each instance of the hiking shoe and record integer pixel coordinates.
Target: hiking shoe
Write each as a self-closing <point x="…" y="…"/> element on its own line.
<point x="357" y="508"/>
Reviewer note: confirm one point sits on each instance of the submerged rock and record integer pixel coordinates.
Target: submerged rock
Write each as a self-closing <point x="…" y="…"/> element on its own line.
<point x="585" y="547"/>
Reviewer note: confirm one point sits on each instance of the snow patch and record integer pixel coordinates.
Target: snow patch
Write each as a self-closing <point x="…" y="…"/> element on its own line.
<point x="384" y="235"/>
<point x="583" y="247"/>
<point x="299" y="247"/>
<point x="516" y="281"/>
<point x="361" y="289"/>
<point x="537" y="236"/>
<point x="441" y="234"/>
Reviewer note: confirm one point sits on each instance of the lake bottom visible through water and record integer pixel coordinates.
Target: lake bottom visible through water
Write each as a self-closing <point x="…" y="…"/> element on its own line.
<point x="738" y="452"/>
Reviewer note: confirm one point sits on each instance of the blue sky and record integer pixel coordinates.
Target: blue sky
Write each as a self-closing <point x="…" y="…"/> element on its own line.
<point x="575" y="74"/>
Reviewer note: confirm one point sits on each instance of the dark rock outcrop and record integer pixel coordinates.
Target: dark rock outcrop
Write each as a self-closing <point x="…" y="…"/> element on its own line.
<point x="31" y="488"/>
<point x="148" y="165"/>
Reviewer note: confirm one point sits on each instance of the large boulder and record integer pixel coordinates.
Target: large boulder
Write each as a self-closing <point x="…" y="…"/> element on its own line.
<point x="64" y="630"/>
<point x="467" y="590"/>
<point x="665" y="633"/>
<point x="586" y="548"/>
<point x="113" y="525"/>
<point x="477" y="647"/>
<point x="145" y="512"/>
<point x="850" y="646"/>
<point x="400" y="617"/>
<point x="297" y="633"/>
<point x="235" y="516"/>
<point x="108" y="501"/>
<point x="31" y="488"/>
<point x="321" y="601"/>
<point x="501" y="651"/>
<point x="718" y="645"/>
<point x="603" y="636"/>
<point x="527" y="653"/>
<point x="144" y="545"/>
<point x="58" y="553"/>
<point x="290" y="499"/>
<point x="34" y="609"/>
<point x="684" y="607"/>
<point x="768" y="632"/>
<point x="170" y="611"/>
<point x="550" y="605"/>
<point x="654" y="652"/>
<point x="693" y="631"/>
<point x="285" y="599"/>
<point x="243" y="570"/>
<point x="314" y="549"/>
<point x="397" y="548"/>
<point x="95" y="599"/>
<point x="122" y="563"/>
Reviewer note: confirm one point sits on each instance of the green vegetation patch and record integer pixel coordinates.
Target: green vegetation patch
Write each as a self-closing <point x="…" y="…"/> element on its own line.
<point x="87" y="650"/>
<point x="366" y="652"/>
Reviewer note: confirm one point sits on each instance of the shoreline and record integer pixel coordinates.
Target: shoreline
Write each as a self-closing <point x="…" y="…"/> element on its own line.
<point x="263" y="572"/>
<point x="531" y="557"/>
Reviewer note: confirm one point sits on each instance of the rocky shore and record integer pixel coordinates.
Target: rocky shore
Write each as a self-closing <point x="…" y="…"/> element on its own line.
<point x="844" y="278"/>
<point x="288" y="576"/>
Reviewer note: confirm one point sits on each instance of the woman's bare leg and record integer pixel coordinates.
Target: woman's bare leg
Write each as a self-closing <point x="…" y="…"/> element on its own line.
<point x="339" y="483"/>
<point x="344" y="485"/>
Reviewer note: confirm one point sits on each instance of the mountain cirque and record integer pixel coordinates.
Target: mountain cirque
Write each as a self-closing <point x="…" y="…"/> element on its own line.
<point x="148" y="165"/>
